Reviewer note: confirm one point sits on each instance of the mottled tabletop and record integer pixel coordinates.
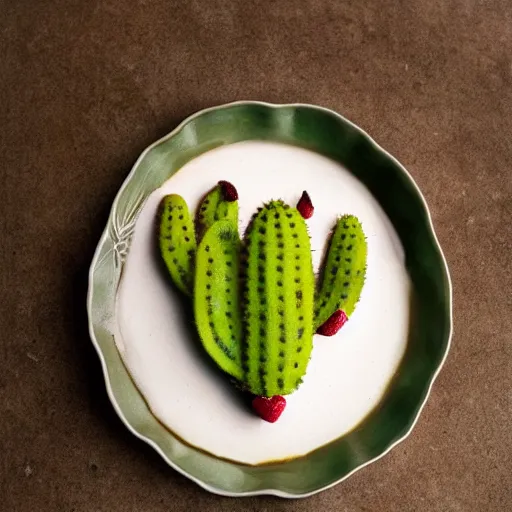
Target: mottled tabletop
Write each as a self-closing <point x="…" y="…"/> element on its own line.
<point x="86" y="86"/>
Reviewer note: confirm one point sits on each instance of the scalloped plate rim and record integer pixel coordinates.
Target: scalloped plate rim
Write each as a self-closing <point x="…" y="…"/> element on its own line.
<point x="104" y="364"/>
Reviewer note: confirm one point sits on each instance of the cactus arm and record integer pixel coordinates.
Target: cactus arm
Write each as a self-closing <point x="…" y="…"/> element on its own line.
<point x="278" y="301"/>
<point x="343" y="273"/>
<point x="215" y="207"/>
<point x="216" y="296"/>
<point x="177" y="241"/>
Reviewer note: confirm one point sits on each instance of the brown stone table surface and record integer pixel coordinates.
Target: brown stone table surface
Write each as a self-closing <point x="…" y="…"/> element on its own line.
<point x="85" y="86"/>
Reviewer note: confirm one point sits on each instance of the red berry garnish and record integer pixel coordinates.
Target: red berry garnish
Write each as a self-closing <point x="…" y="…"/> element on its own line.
<point x="228" y="191"/>
<point x="269" y="409"/>
<point x="305" y="206"/>
<point x="333" y="324"/>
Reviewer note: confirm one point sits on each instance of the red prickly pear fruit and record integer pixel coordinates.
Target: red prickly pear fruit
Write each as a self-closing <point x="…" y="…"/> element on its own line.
<point x="269" y="409"/>
<point x="305" y="206"/>
<point x="228" y="191"/>
<point x="333" y="324"/>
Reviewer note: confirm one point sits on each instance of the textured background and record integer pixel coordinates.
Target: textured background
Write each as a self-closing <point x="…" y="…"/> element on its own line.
<point x="86" y="85"/>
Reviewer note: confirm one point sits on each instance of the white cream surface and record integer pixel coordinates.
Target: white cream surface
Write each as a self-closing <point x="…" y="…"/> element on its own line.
<point x="348" y="373"/>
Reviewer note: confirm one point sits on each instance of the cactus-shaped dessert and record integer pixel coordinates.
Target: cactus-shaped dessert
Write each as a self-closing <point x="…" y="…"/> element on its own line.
<point x="255" y="301"/>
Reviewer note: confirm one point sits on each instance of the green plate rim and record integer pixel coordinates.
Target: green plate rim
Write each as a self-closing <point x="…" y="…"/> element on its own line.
<point x="447" y="288"/>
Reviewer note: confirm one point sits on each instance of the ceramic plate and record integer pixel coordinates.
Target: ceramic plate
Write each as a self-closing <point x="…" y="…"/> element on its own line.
<point x="364" y="388"/>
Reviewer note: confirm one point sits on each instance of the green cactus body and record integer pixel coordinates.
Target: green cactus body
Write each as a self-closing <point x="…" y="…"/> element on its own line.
<point x="344" y="270"/>
<point x="214" y="207"/>
<point x="177" y="241"/>
<point x="254" y="302"/>
<point x="278" y="301"/>
<point x="216" y="296"/>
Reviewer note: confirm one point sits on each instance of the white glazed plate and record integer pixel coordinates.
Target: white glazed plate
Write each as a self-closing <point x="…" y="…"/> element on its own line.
<point x="364" y="387"/>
